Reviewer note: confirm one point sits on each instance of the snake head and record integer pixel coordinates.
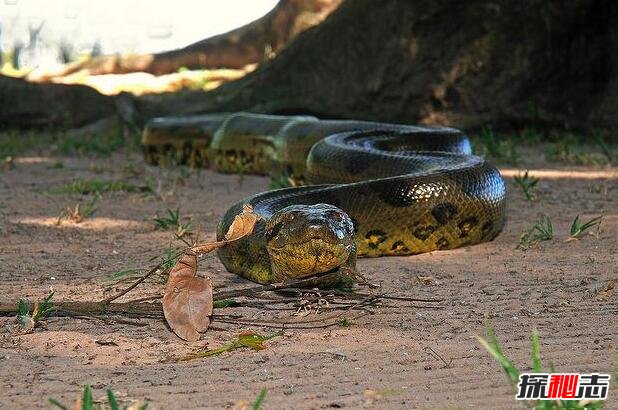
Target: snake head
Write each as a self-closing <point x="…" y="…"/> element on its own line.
<point x="305" y="240"/>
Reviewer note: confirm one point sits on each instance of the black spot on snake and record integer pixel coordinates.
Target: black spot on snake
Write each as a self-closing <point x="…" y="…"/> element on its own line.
<point x="444" y="212"/>
<point x="375" y="238"/>
<point x="487" y="227"/>
<point x="231" y="156"/>
<point x="423" y="232"/>
<point x="442" y="243"/>
<point x="399" y="246"/>
<point x="466" y="226"/>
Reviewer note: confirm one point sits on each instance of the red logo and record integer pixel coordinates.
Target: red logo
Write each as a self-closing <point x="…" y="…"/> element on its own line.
<point x="562" y="386"/>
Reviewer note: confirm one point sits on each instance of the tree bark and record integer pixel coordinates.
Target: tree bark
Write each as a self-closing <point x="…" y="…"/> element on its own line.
<point x="28" y="105"/>
<point x="248" y="44"/>
<point x="464" y="64"/>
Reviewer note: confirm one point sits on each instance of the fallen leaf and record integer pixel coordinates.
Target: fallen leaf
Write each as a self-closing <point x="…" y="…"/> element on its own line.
<point x="187" y="303"/>
<point x="242" y="226"/>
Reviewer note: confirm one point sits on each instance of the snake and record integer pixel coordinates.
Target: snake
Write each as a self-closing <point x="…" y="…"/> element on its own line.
<point x="351" y="188"/>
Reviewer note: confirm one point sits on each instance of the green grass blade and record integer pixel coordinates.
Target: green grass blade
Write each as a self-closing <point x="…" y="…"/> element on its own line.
<point x="121" y="274"/>
<point x="493" y="339"/>
<point x="575" y="226"/>
<point x="111" y="398"/>
<point x="87" y="400"/>
<point x="257" y="404"/>
<point x="57" y="404"/>
<point x="604" y="148"/>
<point x="45" y="307"/>
<point x="591" y="223"/>
<point x="536" y="352"/>
<point x="22" y="308"/>
<point x="509" y="368"/>
<point x="218" y="304"/>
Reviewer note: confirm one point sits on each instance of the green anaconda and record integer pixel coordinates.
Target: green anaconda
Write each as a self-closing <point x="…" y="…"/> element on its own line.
<point x="365" y="189"/>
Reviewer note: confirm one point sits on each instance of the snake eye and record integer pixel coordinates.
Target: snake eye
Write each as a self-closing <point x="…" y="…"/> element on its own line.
<point x="334" y="215"/>
<point x="274" y="231"/>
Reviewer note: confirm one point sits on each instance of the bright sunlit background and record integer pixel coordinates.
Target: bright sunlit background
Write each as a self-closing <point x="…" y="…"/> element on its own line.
<point x="117" y="26"/>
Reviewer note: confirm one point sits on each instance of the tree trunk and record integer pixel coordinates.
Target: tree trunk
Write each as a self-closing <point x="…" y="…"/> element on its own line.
<point x="539" y="63"/>
<point x="248" y="44"/>
<point x="512" y="64"/>
<point x="28" y="105"/>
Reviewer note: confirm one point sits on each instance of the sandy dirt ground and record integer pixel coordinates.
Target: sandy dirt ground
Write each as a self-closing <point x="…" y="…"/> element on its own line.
<point x="382" y="360"/>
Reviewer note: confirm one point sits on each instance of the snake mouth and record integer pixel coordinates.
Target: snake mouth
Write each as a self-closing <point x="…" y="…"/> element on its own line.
<point x="312" y="242"/>
<point x="311" y="257"/>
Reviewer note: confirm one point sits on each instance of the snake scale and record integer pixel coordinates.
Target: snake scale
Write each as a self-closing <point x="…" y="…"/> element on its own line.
<point x="362" y="189"/>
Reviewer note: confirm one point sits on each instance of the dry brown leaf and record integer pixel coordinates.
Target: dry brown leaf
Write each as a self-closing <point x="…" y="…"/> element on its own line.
<point x="242" y="226"/>
<point x="187" y="303"/>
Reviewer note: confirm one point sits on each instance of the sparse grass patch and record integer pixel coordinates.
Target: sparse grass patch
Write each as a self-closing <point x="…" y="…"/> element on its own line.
<point x="94" y="186"/>
<point x="15" y="142"/>
<point x="99" y="145"/>
<point x="28" y="320"/>
<point x="173" y="221"/>
<point x="500" y="148"/>
<point x="603" y="147"/>
<point x="77" y="214"/>
<point x="531" y="136"/>
<point x="542" y="230"/>
<point x="570" y="150"/>
<point x="87" y="402"/>
<point x="527" y="184"/>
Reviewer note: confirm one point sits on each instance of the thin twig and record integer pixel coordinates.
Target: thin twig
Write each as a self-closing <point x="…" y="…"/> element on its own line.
<point x="297" y="285"/>
<point x="284" y="325"/>
<point x="436" y="355"/>
<point x="145" y="276"/>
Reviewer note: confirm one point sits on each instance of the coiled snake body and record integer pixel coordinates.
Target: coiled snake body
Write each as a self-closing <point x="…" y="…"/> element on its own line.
<point x="375" y="189"/>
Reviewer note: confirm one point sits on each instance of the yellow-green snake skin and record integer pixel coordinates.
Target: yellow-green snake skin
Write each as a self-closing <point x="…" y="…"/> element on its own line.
<point x="365" y="189"/>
